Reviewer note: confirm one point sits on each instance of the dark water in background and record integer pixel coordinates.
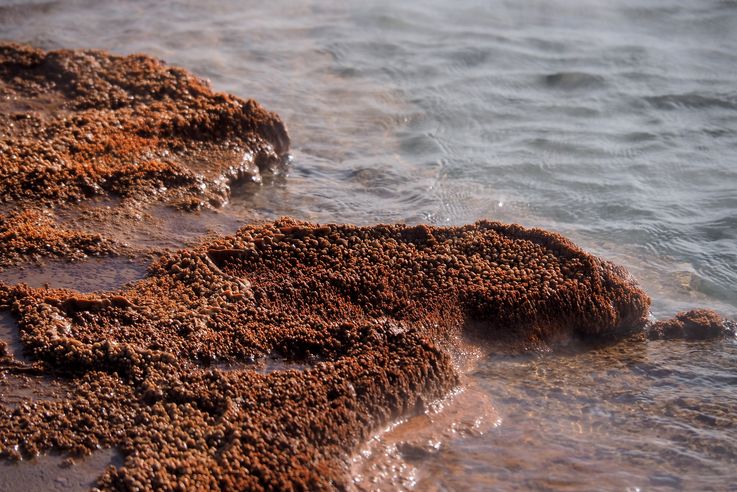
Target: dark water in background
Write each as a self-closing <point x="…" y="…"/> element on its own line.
<point x="614" y="123"/>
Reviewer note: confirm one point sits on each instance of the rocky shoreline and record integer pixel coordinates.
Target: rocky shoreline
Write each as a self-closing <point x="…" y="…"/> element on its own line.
<point x="77" y="124"/>
<point x="173" y="369"/>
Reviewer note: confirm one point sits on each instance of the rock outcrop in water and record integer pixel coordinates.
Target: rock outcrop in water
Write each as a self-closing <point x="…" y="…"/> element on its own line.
<point x="167" y="370"/>
<point x="174" y="370"/>
<point x="76" y="124"/>
<point x="697" y="324"/>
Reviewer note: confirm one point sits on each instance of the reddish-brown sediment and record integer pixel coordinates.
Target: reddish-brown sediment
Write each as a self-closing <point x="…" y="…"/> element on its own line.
<point x="31" y="235"/>
<point x="81" y="123"/>
<point x="371" y="311"/>
<point x="697" y="324"/>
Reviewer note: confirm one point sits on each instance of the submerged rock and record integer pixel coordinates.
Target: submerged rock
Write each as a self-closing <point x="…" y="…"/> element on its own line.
<point x="697" y="324"/>
<point x="79" y="123"/>
<point x="370" y="312"/>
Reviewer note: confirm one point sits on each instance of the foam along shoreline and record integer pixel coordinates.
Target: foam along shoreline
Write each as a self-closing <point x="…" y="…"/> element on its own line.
<point x="176" y="368"/>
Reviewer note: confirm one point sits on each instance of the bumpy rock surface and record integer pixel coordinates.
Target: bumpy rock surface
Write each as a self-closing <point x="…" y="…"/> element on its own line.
<point x="74" y="124"/>
<point x="697" y="324"/>
<point x="32" y="234"/>
<point x="175" y="372"/>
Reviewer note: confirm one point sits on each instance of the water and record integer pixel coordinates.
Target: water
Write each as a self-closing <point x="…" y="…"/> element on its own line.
<point x="53" y="473"/>
<point x="656" y="416"/>
<point x="10" y="336"/>
<point x="614" y="123"/>
<point x="89" y="275"/>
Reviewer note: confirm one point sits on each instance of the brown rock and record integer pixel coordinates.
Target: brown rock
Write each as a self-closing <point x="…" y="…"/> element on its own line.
<point x="171" y="369"/>
<point x="166" y="369"/>
<point x="76" y="124"/>
<point x="697" y="324"/>
<point x="33" y="234"/>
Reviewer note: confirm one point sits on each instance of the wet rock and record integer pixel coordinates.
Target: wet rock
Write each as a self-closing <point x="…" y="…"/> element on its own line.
<point x="697" y="324"/>
<point x="372" y="310"/>
<point x="31" y="235"/>
<point x="80" y="123"/>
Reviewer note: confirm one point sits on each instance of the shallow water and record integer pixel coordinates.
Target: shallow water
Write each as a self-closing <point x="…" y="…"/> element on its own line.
<point x="89" y="275"/>
<point x="655" y="416"/>
<point x="614" y="123"/>
<point x="51" y="473"/>
<point x="22" y="389"/>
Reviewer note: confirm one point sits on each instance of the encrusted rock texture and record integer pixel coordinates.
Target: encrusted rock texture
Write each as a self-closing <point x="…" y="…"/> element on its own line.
<point x="697" y="324"/>
<point x="32" y="235"/>
<point x="170" y="370"/>
<point x="76" y="124"/>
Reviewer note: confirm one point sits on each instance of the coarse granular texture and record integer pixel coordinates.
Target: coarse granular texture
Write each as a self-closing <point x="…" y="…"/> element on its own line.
<point x="167" y="371"/>
<point x="31" y="235"/>
<point x="74" y="124"/>
<point x="697" y="324"/>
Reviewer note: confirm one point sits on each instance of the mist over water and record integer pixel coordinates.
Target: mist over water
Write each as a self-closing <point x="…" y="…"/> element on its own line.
<point x="614" y="123"/>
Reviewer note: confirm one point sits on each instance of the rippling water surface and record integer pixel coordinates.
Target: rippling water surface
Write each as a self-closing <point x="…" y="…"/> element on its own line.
<point x="614" y="123"/>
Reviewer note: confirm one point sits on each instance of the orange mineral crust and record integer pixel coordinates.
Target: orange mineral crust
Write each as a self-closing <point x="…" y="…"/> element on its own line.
<point x="178" y="370"/>
<point x="33" y="234"/>
<point x="74" y="124"/>
<point x="697" y="324"/>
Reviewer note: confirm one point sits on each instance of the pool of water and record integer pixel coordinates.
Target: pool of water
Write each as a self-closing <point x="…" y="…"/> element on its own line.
<point x="614" y="123"/>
